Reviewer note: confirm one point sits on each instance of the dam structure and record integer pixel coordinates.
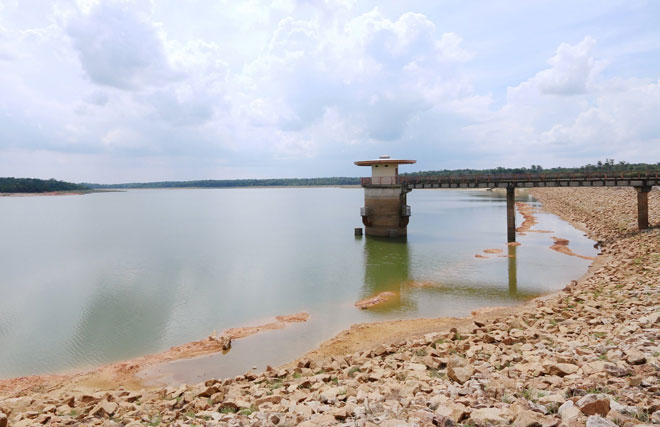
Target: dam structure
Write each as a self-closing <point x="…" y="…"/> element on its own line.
<point x="386" y="213"/>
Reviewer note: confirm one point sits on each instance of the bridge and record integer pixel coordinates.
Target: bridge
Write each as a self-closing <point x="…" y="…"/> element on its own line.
<point x="378" y="215"/>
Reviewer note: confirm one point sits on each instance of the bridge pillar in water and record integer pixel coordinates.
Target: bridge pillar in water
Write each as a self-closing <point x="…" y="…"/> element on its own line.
<point x="511" y="213"/>
<point x="385" y="212"/>
<point x="643" y="206"/>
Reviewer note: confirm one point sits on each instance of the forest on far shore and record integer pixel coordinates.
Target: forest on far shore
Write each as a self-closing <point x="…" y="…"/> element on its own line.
<point x="31" y="185"/>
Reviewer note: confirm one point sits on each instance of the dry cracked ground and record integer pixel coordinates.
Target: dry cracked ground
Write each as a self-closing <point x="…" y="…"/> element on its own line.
<point x="588" y="355"/>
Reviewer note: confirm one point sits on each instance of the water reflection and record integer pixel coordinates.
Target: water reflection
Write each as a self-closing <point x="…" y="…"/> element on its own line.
<point x="387" y="269"/>
<point x="513" y="271"/>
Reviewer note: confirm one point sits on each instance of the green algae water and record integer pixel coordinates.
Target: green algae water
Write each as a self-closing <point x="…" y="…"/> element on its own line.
<point x="87" y="280"/>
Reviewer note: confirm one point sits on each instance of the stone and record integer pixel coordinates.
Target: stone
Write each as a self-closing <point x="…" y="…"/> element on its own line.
<point x="635" y="357"/>
<point x="623" y="409"/>
<point x="104" y="409"/>
<point x="655" y="417"/>
<point x="568" y="411"/>
<point x="459" y="370"/>
<point x="561" y="369"/>
<point x="3" y="420"/>
<point x="441" y="421"/>
<point x="594" y="404"/>
<point x="454" y="411"/>
<point x="528" y="418"/>
<point x="596" y="421"/>
<point x="330" y="395"/>
<point x="487" y="416"/>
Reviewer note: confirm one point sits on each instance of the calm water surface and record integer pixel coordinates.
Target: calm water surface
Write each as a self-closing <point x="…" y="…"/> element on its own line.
<point x="92" y="279"/>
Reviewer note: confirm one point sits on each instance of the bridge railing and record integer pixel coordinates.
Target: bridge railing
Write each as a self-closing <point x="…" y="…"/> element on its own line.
<point x="495" y="178"/>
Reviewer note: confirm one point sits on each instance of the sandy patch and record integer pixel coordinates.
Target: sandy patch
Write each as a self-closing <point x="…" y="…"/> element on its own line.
<point x="561" y="246"/>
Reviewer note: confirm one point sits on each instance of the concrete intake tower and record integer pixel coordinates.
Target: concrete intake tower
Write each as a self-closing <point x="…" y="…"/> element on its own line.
<point x="385" y="211"/>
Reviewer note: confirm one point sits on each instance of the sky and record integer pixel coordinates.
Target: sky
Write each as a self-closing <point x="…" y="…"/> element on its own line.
<point x="137" y="90"/>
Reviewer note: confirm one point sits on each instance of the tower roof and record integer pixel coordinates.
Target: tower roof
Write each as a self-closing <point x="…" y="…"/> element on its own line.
<point x="384" y="160"/>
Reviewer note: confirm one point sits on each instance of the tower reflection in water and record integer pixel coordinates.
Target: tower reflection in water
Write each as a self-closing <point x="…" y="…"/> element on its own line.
<point x="387" y="269"/>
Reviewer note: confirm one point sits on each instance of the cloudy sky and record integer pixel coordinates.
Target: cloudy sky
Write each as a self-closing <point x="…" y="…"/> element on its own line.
<point x="122" y="90"/>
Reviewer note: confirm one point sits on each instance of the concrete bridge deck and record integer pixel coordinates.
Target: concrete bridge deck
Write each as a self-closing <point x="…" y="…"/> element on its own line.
<point x="641" y="181"/>
<point x="589" y="179"/>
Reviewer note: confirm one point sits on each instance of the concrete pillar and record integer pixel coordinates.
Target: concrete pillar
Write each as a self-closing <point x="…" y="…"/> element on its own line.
<point x="385" y="211"/>
<point x="643" y="206"/>
<point x="511" y="214"/>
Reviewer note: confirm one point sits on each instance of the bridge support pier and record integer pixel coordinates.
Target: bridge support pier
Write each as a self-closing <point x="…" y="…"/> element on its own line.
<point x="643" y="206"/>
<point x="511" y="214"/>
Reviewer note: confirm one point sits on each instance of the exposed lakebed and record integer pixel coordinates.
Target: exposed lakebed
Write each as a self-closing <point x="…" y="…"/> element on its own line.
<point x="104" y="277"/>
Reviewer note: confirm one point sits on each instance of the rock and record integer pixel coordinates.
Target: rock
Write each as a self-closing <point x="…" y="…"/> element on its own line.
<point x="3" y="420"/>
<point x="487" y="417"/>
<point x="568" y="411"/>
<point x="339" y="414"/>
<point x="459" y="370"/>
<point x="655" y="418"/>
<point x="596" y="421"/>
<point x="208" y="391"/>
<point x="104" y="409"/>
<point x="330" y="395"/>
<point x="650" y="319"/>
<point x="561" y="369"/>
<point x="454" y="411"/>
<point x="635" y="357"/>
<point x="594" y="404"/>
<point x="528" y="418"/>
<point x="623" y="409"/>
<point x="615" y="371"/>
<point x="440" y="421"/>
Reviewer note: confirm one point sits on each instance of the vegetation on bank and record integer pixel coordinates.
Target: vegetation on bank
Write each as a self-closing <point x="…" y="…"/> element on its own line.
<point x="224" y="183"/>
<point x="607" y="166"/>
<point x="32" y="185"/>
<point x="28" y="185"/>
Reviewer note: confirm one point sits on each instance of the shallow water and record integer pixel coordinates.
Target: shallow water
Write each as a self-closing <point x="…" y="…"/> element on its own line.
<point x="99" y="278"/>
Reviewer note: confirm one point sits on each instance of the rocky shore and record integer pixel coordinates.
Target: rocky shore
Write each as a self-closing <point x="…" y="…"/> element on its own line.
<point x="587" y="355"/>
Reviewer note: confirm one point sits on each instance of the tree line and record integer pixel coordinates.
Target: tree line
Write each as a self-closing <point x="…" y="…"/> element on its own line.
<point x="225" y="183"/>
<point x="33" y="185"/>
<point x="601" y="166"/>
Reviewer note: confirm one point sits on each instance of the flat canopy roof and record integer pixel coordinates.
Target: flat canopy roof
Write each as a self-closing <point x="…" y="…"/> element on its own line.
<point x="387" y="161"/>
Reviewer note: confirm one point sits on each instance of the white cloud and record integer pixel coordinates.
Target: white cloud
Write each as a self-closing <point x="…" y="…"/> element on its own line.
<point x="117" y="47"/>
<point x="573" y="69"/>
<point x="271" y="83"/>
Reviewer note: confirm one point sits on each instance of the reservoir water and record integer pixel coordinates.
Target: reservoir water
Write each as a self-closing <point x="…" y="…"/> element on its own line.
<point x="92" y="279"/>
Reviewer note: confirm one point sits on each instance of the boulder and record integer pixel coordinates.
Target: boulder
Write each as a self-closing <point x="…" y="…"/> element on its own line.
<point x="487" y="417"/>
<point x="454" y="411"/>
<point x="528" y="418"/>
<point x="655" y="417"/>
<point x="635" y="357"/>
<point x="596" y="421"/>
<point x="594" y="404"/>
<point x="568" y="411"/>
<point x="459" y="370"/>
<point x="561" y="369"/>
<point x="103" y="409"/>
